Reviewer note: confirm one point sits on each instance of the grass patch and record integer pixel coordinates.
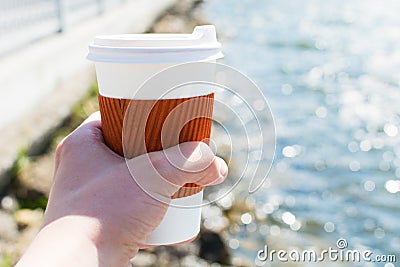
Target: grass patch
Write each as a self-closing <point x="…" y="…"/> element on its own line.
<point x="35" y="203"/>
<point x="21" y="161"/>
<point x="6" y="260"/>
<point x="27" y="197"/>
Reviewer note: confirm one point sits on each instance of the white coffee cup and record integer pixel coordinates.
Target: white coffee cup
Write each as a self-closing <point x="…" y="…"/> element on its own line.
<point x="123" y="63"/>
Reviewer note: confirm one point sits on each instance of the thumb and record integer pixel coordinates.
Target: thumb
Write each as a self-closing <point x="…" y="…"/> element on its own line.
<point x="162" y="173"/>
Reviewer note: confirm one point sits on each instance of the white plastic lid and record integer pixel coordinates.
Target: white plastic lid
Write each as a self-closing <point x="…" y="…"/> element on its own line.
<point x="200" y="45"/>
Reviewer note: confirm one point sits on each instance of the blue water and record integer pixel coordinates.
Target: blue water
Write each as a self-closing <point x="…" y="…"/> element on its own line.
<point x="331" y="73"/>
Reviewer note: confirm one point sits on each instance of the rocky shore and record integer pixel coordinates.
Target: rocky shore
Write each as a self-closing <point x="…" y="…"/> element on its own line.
<point x="23" y="201"/>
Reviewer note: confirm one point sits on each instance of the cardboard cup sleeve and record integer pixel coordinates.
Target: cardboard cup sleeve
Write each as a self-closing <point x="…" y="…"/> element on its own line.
<point x="192" y="116"/>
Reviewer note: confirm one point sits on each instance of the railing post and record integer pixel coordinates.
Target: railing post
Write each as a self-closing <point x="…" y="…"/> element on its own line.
<point x="60" y="15"/>
<point x="100" y="7"/>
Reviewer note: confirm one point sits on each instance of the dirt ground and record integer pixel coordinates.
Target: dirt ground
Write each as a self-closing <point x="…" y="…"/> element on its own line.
<point x="25" y="198"/>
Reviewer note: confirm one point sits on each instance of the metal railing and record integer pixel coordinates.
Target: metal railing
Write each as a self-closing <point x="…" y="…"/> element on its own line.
<point x="25" y="21"/>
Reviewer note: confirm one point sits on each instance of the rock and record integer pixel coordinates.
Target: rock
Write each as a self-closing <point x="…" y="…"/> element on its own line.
<point x="29" y="221"/>
<point x="213" y="248"/>
<point x="38" y="177"/>
<point x="8" y="227"/>
<point x="181" y="18"/>
<point x="194" y="261"/>
<point x="9" y="203"/>
<point x="143" y="259"/>
<point x="28" y="218"/>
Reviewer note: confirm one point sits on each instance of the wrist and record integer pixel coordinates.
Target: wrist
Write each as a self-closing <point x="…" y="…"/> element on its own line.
<point x="74" y="240"/>
<point x="57" y="244"/>
<point x="107" y="246"/>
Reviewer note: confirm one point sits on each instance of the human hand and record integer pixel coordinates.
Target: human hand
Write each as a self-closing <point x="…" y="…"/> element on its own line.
<point x="97" y="215"/>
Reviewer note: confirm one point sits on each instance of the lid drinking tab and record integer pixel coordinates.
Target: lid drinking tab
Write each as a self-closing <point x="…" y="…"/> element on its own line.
<point x="201" y="44"/>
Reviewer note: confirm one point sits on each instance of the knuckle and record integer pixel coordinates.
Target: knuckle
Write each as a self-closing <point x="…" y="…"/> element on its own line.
<point x="60" y="148"/>
<point x="66" y="145"/>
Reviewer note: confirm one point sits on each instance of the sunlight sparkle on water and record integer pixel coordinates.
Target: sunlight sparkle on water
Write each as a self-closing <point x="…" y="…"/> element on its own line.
<point x="246" y="218"/>
<point x="275" y="230"/>
<point x="369" y="186"/>
<point x="321" y="112"/>
<point x="329" y="227"/>
<point x="288" y="218"/>
<point x="291" y="151"/>
<point x="392" y="186"/>
<point x="259" y="104"/>
<point x="234" y="243"/>
<point x="295" y="226"/>
<point x="353" y="147"/>
<point x="354" y="166"/>
<point x="287" y="89"/>
<point x="365" y="145"/>
<point x="391" y="130"/>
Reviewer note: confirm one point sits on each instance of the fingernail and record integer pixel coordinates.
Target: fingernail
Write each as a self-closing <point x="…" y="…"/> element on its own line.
<point x="223" y="168"/>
